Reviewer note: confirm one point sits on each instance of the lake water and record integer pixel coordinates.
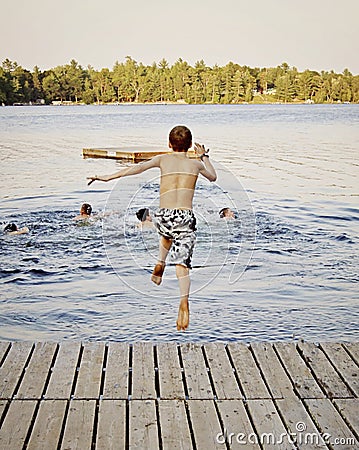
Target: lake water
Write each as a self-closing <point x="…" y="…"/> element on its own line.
<point x="286" y="268"/>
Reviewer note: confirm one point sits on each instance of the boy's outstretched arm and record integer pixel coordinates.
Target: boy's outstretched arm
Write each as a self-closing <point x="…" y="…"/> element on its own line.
<point x="133" y="170"/>
<point x="206" y="169"/>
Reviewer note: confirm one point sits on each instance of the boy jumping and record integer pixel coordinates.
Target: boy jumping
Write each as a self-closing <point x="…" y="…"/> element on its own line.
<point x="174" y="220"/>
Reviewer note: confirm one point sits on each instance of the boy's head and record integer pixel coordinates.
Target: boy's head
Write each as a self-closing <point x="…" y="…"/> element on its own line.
<point x="10" y="227"/>
<point x="226" y="213"/>
<point x="86" y="209"/>
<point x="142" y="214"/>
<point x="180" y="139"/>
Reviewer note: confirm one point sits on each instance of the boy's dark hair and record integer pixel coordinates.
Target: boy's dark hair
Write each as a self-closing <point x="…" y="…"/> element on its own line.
<point x="142" y="214"/>
<point x="180" y="138"/>
<point x="86" y="208"/>
<point x="10" y="227"/>
<point x="222" y="212"/>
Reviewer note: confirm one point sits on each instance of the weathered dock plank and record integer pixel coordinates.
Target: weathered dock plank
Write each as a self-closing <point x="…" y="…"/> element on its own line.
<point x="111" y="430"/>
<point x="47" y="428"/>
<point x="205" y="424"/>
<point x="353" y="349"/>
<point x="3" y="404"/>
<point x="267" y="422"/>
<point x="16" y="424"/>
<point x="3" y="349"/>
<point x="324" y="371"/>
<point x="169" y="371"/>
<point x="117" y="371"/>
<point x="239" y="432"/>
<point x="302" y="379"/>
<point x="223" y="377"/>
<point x="90" y="372"/>
<point x="331" y="424"/>
<point x="349" y="409"/>
<point x="143" y="371"/>
<point x="143" y="425"/>
<point x="63" y="372"/>
<point x="197" y="380"/>
<point x="37" y="372"/>
<point x="344" y="364"/>
<point x="299" y="423"/>
<point x="79" y="425"/>
<point x="249" y="375"/>
<point x="278" y="382"/>
<point x="13" y="367"/>
<point x="174" y="426"/>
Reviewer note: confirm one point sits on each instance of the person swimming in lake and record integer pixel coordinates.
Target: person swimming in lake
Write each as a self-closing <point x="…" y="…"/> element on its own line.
<point x="85" y="212"/>
<point x="175" y="220"/>
<point x="12" y="229"/>
<point x="226" y="213"/>
<point x="143" y="215"/>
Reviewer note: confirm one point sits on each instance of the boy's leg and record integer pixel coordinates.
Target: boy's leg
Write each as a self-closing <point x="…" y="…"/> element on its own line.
<point x="165" y="245"/>
<point x="184" y="281"/>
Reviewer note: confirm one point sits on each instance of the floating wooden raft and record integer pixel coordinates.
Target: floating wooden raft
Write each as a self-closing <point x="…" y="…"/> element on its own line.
<point x="127" y="153"/>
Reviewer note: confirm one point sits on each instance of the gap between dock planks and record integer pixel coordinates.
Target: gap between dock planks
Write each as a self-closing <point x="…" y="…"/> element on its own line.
<point x="98" y="395"/>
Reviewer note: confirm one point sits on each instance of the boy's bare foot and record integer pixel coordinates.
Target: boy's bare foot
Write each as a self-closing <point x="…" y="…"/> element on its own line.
<point x="157" y="273"/>
<point x="183" y="316"/>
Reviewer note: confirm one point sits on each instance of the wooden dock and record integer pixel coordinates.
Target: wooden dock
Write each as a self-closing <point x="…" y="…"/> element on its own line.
<point x="131" y="154"/>
<point x="97" y="395"/>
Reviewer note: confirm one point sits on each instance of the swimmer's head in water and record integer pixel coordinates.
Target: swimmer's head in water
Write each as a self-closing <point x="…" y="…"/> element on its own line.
<point x="226" y="213"/>
<point x="10" y="227"/>
<point x="142" y="214"/>
<point x="180" y="138"/>
<point x="86" y="209"/>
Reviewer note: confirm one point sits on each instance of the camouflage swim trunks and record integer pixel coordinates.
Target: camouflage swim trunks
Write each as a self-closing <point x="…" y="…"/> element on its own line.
<point x="180" y="226"/>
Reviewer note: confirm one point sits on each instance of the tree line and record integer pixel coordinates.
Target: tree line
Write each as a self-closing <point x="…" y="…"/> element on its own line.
<point x="131" y="81"/>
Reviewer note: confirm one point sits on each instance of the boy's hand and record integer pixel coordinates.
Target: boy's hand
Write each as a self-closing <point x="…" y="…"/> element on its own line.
<point x="92" y="179"/>
<point x="200" y="149"/>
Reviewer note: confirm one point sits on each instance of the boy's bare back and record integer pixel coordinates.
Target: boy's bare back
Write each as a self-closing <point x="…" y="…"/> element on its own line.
<point x="178" y="180"/>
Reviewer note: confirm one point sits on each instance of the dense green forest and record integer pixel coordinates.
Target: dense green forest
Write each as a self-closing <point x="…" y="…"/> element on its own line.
<point x="130" y="81"/>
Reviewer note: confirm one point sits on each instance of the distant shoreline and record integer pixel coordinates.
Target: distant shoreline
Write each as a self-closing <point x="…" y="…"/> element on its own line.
<point x="131" y="82"/>
<point x="66" y="103"/>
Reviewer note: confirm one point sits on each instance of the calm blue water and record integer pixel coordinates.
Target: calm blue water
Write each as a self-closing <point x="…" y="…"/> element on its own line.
<point x="286" y="268"/>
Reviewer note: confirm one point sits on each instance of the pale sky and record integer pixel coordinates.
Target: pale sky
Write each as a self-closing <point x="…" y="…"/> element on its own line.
<point x="313" y="34"/>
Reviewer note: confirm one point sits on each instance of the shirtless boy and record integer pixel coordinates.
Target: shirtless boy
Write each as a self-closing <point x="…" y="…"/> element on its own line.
<point x="174" y="220"/>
